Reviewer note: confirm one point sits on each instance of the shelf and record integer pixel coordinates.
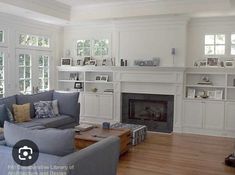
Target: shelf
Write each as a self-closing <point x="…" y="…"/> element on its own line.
<point x="101" y="82"/>
<point x="203" y="99"/>
<point x="70" y="81"/>
<point x="231" y="87"/>
<point x="205" y="86"/>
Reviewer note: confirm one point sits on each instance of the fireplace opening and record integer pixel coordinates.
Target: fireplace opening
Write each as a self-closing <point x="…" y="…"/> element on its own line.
<point x="154" y="111"/>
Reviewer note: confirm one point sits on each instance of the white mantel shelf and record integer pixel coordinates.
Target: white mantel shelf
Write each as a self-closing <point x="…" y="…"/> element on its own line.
<point x="120" y="68"/>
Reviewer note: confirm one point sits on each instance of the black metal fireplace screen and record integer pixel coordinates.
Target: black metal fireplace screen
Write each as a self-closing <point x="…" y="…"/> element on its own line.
<point x="154" y="111"/>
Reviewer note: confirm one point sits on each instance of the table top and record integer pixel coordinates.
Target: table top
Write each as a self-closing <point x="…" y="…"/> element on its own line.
<point x="97" y="134"/>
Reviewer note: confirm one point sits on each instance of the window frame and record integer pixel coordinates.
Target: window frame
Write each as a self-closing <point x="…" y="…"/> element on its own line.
<point x="92" y="40"/>
<point x="20" y="46"/>
<point x="215" y="44"/>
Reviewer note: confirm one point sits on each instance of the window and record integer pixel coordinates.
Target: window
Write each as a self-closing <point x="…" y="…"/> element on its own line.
<point x="233" y="44"/>
<point x="2" y="90"/>
<point x="215" y="44"/>
<point x="25" y="73"/>
<point x="1" y="36"/>
<point x="100" y="47"/>
<point x="84" y="48"/>
<point x="33" y="40"/>
<point x="93" y="47"/>
<point x="43" y="68"/>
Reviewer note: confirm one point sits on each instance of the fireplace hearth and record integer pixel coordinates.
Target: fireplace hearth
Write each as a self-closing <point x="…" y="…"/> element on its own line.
<point x="154" y="111"/>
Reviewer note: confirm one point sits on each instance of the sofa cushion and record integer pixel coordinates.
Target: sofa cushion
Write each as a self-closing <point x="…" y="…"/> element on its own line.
<point x="68" y="103"/>
<point x="51" y="141"/>
<point x="32" y="123"/>
<point x="44" y="109"/>
<point x="3" y="115"/>
<point x="55" y="122"/>
<point x="22" y="112"/>
<point x="8" y="101"/>
<point x="44" y="96"/>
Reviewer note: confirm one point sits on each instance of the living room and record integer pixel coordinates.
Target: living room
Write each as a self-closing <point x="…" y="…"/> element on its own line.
<point x="126" y="87"/>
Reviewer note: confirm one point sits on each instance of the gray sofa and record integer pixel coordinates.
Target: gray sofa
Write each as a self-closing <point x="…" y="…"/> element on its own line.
<point x="56" y="146"/>
<point x="57" y="154"/>
<point x="69" y="109"/>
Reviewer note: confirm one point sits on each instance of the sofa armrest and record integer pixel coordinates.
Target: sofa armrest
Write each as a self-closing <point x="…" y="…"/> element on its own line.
<point x="98" y="159"/>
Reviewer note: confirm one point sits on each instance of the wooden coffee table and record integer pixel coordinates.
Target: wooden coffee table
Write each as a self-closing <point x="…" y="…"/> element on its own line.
<point x="87" y="138"/>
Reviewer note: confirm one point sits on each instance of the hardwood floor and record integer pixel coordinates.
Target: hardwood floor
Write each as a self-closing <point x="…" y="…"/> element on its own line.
<point x="178" y="154"/>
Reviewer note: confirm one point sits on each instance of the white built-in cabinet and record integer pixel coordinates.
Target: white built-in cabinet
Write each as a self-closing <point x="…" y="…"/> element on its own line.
<point x="204" y="114"/>
<point x="96" y="106"/>
<point x="209" y="116"/>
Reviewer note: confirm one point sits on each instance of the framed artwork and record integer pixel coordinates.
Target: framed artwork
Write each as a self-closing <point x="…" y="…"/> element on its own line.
<point x="212" y="62"/>
<point x="229" y="64"/>
<point x="92" y="62"/>
<point x="86" y="61"/>
<point x="102" y="78"/>
<point x="66" y="62"/>
<point x="202" y="63"/>
<point x="77" y="85"/>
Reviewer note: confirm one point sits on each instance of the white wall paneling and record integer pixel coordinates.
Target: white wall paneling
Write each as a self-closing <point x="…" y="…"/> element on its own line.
<point x="13" y="25"/>
<point x="136" y="39"/>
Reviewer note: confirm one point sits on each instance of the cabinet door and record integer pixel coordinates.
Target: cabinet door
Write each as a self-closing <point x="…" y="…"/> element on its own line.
<point x="193" y="114"/>
<point x="91" y="105"/>
<point x="230" y="116"/>
<point x="214" y="112"/>
<point x="106" y="106"/>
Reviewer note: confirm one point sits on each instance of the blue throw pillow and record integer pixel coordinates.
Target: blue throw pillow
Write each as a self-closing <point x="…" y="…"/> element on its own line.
<point x="44" y="109"/>
<point x="3" y="115"/>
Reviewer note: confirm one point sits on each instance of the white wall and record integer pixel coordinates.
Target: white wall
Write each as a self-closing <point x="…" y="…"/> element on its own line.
<point x="197" y="29"/>
<point x="12" y="25"/>
<point x="136" y="39"/>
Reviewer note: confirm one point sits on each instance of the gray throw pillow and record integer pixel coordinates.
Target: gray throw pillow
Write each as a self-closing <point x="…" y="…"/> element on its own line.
<point x="50" y="141"/>
<point x="55" y="107"/>
<point x="44" y="109"/>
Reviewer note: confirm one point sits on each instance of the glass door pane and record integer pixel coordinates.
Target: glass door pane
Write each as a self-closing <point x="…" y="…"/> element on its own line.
<point x="43" y="72"/>
<point x="2" y="75"/>
<point x="25" y="73"/>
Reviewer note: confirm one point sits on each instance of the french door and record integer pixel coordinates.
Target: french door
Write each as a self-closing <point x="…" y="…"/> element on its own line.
<point x="33" y="70"/>
<point x="3" y="69"/>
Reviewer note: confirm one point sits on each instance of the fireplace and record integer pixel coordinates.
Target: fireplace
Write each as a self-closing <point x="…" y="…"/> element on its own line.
<point x="154" y="111"/>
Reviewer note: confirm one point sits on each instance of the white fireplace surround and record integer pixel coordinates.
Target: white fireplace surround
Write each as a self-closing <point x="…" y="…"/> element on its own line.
<point x="160" y="81"/>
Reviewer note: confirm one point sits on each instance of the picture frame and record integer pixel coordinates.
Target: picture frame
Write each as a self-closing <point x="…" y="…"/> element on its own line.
<point x="86" y="60"/>
<point x="191" y="93"/>
<point x="97" y="78"/>
<point x="212" y="62"/>
<point x="219" y="94"/>
<point x="211" y="94"/>
<point x="103" y="78"/>
<point x="104" y="62"/>
<point x="78" y="85"/>
<point x="93" y="62"/>
<point x="202" y="63"/>
<point x="229" y="64"/>
<point x="66" y="62"/>
<point x="79" y="62"/>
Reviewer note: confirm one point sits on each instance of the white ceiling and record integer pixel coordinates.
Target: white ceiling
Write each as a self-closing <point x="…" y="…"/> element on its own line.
<point x="96" y="2"/>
